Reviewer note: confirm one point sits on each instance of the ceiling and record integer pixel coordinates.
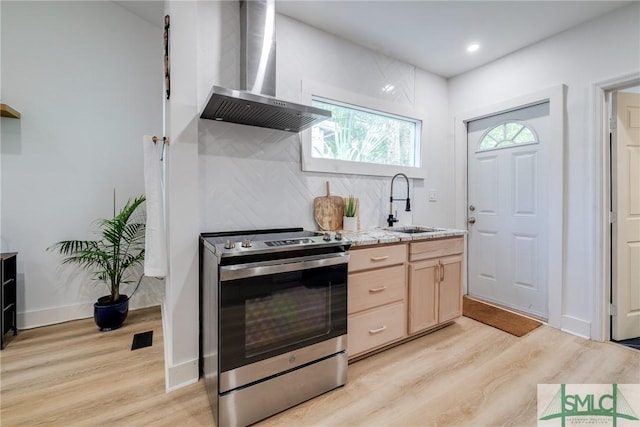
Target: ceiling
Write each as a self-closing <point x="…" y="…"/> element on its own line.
<point x="433" y="35"/>
<point x="151" y="11"/>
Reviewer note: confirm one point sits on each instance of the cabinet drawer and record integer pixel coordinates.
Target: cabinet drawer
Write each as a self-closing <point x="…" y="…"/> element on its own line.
<point x="375" y="328"/>
<point x="369" y="289"/>
<point x="436" y="248"/>
<point x="362" y="259"/>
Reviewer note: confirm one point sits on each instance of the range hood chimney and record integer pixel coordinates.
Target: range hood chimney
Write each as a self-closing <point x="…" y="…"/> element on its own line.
<point x="255" y="104"/>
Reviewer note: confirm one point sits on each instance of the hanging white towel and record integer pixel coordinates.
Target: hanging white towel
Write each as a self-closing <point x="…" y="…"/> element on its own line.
<point x="155" y="260"/>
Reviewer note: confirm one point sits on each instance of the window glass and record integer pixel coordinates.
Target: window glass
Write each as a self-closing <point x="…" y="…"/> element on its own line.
<point x="367" y="135"/>
<point x="364" y="135"/>
<point x="506" y="135"/>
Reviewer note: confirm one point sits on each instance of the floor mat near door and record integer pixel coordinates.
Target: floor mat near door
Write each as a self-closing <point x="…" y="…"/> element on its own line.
<point x="497" y="317"/>
<point x="632" y="342"/>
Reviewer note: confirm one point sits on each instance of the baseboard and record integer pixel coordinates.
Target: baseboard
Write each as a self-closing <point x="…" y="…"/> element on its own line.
<point x="181" y="375"/>
<point x="166" y="337"/>
<point x="52" y="316"/>
<point x="576" y="326"/>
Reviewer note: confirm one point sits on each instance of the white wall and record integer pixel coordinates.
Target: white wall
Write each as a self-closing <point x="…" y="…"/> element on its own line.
<point x="606" y="48"/>
<point x="87" y="78"/>
<point x="180" y="309"/>
<point x="252" y="178"/>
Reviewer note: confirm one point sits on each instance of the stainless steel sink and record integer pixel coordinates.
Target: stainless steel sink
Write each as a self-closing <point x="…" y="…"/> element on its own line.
<point x="414" y="230"/>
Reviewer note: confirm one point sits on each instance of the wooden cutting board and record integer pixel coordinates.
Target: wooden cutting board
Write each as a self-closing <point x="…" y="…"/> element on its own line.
<point x="328" y="211"/>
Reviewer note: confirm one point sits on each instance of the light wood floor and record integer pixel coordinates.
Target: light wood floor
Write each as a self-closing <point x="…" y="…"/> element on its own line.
<point x="467" y="374"/>
<point x="73" y="375"/>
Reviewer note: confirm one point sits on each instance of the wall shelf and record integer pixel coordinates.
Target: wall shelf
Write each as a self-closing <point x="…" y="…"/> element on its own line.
<point x="7" y="111"/>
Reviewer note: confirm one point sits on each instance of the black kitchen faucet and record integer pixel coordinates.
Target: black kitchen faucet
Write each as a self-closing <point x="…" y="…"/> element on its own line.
<point x="407" y="208"/>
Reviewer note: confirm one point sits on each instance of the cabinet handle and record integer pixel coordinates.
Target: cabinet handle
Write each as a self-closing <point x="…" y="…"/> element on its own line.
<point x="441" y="272"/>
<point x="377" y="331"/>
<point x="380" y="289"/>
<point x="379" y="258"/>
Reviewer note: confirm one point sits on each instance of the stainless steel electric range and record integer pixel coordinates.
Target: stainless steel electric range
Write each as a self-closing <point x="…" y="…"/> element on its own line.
<point x="273" y="320"/>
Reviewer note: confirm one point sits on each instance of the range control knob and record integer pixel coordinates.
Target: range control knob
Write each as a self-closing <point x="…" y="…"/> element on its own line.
<point x="326" y="237"/>
<point x="338" y="235"/>
<point x="230" y="244"/>
<point x="246" y="243"/>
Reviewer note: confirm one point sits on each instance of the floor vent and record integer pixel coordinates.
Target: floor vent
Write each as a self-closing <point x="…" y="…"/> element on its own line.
<point x="142" y="340"/>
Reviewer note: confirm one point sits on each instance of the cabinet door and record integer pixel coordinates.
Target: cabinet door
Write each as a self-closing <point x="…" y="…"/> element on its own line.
<point x="450" y="288"/>
<point x="423" y="294"/>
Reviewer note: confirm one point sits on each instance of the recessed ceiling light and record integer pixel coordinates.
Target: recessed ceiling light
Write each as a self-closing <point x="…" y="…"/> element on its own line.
<point x="473" y="47"/>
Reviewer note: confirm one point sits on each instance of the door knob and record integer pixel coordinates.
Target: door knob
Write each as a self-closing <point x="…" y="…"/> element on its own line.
<point x="471" y="220"/>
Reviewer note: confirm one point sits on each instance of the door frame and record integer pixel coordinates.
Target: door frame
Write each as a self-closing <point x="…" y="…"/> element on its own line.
<point x="601" y="111"/>
<point x="555" y="95"/>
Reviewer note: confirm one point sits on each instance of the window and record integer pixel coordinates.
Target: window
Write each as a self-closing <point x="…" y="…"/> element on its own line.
<point x="364" y="136"/>
<point x="507" y="135"/>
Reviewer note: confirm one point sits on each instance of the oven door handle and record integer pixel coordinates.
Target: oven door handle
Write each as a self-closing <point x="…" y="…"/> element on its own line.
<point x="254" y="269"/>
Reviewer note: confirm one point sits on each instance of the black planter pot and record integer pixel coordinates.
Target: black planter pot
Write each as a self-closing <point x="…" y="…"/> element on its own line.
<point x="109" y="316"/>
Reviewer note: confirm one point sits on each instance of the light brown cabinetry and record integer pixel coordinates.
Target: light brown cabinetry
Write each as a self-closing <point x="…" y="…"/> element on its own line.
<point x="435" y="283"/>
<point x="400" y="290"/>
<point x="377" y="295"/>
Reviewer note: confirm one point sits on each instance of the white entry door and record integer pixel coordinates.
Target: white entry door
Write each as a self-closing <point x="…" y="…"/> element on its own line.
<point x="507" y="210"/>
<point x="626" y="228"/>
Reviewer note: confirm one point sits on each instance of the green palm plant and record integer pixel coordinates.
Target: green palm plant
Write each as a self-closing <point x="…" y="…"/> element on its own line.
<point x="120" y="248"/>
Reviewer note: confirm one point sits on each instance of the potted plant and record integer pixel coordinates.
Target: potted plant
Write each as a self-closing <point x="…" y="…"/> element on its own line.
<point x="111" y="259"/>
<point x="349" y="220"/>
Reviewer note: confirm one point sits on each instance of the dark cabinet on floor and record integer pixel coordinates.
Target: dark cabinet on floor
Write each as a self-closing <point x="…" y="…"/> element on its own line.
<point x="8" y="273"/>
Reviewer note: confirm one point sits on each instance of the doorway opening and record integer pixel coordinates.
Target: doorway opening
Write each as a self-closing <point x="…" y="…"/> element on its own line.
<point x="622" y="205"/>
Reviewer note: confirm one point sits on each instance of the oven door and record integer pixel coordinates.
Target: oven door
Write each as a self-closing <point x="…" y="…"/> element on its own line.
<point x="274" y="308"/>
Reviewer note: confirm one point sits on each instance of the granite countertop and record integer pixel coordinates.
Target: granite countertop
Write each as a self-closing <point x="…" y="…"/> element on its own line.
<point x="387" y="235"/>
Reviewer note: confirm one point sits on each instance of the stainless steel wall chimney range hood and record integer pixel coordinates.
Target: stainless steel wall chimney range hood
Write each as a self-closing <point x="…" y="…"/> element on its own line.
<point x="255" y="104"/>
